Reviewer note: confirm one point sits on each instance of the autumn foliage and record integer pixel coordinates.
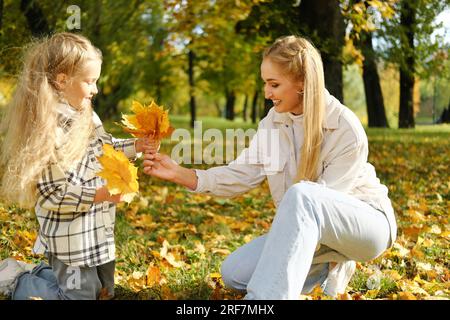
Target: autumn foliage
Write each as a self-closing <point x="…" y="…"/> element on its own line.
<point x="120" y="175"/>
<point x="171" y="242"/>
<point x="147" y="121"/>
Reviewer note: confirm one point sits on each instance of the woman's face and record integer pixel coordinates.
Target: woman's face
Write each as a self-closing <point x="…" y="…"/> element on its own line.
<point x="281" y="89"/>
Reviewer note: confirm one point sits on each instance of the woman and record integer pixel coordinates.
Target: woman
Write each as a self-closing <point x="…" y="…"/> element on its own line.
<point x="331" y="208"/>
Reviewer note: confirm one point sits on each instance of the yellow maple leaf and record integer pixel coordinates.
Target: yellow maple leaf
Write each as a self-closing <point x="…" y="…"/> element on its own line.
<point x="119" y="173"/>
<point x="169" y="257"/>
<point x="153" y="276"/>
<point x="406" y="296"/>
<point x="147" y="121"/>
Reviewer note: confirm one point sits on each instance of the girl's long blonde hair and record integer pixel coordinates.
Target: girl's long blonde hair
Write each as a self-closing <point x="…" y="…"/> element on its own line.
<point x="30" y="122"/>
<point x="302" y="62"/>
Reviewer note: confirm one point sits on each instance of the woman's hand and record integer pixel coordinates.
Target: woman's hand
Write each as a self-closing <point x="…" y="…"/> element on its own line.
<point x="160" y="166"/>
<point x="144" y="144"/>
<point x="163" y="167"/>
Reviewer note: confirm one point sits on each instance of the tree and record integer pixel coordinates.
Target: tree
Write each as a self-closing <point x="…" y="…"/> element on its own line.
<point x="36" y="19"/>
<point x="134" y="55"/>
<point x="244" y="108"/>
<point x="407" y="42"/>
<point x="1" y="13"/>
<point x="20" y="22"/>
<point x="192" y="104"/>
<point x="322" y="21"/>
<point x="319" y="20"/>
<point x="359" y="15"/>
<point x="222" y="57"/>
<point x="407" y="22"/>
<point x="119" y="43"/>
<point x="254" y="114"/>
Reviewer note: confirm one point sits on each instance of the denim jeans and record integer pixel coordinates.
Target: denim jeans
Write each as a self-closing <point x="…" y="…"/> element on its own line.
<point x="58" y="281"/>
<point x="285" y="263"/>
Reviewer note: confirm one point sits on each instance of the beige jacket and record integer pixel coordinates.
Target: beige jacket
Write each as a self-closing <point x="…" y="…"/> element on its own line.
<point x="343" y="162"/>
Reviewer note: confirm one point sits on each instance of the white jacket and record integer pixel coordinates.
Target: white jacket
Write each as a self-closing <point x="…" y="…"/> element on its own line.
<point x="342" y="166"/>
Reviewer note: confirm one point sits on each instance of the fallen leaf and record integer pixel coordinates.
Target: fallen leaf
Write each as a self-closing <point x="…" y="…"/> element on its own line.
<point x="153" y="276"/>
<point x="393" y="274"/>
<point x="435" y="229"/>
<point x="344" y="296"/>
<point x="221" y="251"/>
<point x="169" y="257"/>
<point x="406" y="296"/>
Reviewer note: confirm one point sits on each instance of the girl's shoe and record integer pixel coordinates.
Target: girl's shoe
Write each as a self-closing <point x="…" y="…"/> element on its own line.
<point x="9" y="270"/>
<point x="26" y="266"/>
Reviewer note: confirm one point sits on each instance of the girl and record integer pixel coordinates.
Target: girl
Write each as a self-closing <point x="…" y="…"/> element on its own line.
<point x="331" y="208"/>
<point x="49" y="159"/>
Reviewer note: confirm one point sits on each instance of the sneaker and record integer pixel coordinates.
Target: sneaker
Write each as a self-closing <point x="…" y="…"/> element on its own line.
<point x="339" y="277"/>
<point x="26" y="266"/>
<point x="9" y="270"/>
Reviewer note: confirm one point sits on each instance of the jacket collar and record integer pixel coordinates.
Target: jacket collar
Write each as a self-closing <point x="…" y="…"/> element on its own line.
<point x="333" y="111"/>
<point x="66" y="110"/>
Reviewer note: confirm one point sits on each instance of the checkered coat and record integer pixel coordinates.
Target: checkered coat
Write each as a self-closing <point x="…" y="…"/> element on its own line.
<point x="76" y="230"/>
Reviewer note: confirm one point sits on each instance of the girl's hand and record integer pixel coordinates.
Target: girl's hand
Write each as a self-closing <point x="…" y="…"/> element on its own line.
<point x="103" y="194"/>
<point x="146" y="144"/>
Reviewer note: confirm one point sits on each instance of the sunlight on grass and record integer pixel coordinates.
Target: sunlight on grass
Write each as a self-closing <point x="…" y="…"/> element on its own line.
<point x="186" y="236"/>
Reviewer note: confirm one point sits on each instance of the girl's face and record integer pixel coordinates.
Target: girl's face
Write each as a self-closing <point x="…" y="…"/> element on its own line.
<point x="80" y="89"/>
<point x="282" y="90"/>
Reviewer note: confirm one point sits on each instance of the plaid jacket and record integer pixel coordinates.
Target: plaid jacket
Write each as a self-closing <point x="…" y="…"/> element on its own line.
<point x="76" y="230"/>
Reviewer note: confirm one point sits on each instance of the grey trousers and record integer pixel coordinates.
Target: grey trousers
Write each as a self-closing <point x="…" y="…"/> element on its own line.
<point x="58" y="281"/>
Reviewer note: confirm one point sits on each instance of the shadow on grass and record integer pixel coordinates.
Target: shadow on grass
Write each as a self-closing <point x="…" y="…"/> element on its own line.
<point x="197" y="292"/>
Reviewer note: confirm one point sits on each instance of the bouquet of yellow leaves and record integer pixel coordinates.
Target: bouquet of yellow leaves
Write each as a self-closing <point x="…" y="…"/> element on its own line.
<point x="120" y="175"/>
<point x="147" y="121"/>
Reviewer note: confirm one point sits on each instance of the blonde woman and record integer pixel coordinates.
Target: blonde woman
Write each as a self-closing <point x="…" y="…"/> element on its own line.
<point x="331" y="208"/>
<point x="52" y="138"/>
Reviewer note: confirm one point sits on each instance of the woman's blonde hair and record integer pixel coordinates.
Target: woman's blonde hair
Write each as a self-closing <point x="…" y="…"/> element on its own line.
<point x="31" y="119"/>
<point x="302" y="62"/>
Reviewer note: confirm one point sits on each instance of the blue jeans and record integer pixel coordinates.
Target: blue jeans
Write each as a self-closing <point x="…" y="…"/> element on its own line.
<point x="58" y="281"/>
<point x="285" y="263"/>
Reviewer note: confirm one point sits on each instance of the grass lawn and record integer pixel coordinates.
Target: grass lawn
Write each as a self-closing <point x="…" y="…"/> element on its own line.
<point x="171" y="242"/>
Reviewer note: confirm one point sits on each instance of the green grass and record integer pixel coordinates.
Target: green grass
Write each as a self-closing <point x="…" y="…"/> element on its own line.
<point x="201" y="230"/>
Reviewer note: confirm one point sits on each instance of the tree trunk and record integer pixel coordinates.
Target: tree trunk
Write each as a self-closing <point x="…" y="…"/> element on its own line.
<point x="35" y="18"/>
<point x="407" y="21"/>
<point x="244" y="109"/>
<point x="268" y="104"/>
<point x="254" y="106"/>
<point x="158" y="89"/>
<point x="229" y="106"/>
<point x="192" y="104"/>
<point x="1" y="13"/>
<point x="322" y="22"/>
<point x="376" y="112"/>
<point x="218" y="108"/>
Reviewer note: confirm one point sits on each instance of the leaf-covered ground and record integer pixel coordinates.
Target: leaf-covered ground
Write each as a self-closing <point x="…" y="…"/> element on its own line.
<point x="171" y="242"/>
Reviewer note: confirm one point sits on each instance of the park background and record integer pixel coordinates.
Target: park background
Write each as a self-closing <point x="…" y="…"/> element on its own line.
<point x="385" y="60"/>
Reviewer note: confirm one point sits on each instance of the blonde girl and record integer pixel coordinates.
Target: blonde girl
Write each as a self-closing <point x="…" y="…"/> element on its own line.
<point x="331" y="208"/>
<point x="52" y="138"/>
